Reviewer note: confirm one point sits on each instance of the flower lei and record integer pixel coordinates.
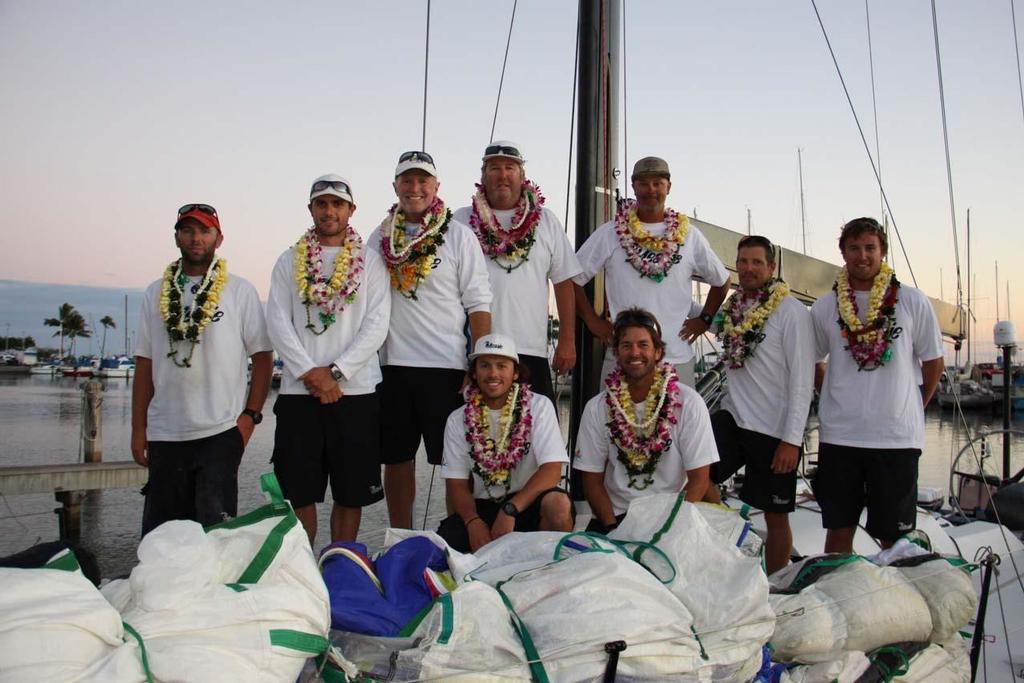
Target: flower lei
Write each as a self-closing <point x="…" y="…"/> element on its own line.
<point x="640" y="445"/>
<point x="512" y="245"/>
<point x="651" y="256"/>
<point x="495" y="460"/>
<point x="181" y="327"/>
<point x="410" y="260"/>
<point x="331" y="296"/>
<point x="743" y="319"/>
<point x="868" y="342"/>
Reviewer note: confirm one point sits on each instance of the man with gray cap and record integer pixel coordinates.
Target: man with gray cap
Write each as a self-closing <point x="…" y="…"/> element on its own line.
<point x="650" y="254"/>
<point x="503" y="454"/>
<point x="438" y="283"/>
<point x="327" y="315"/>
<point x="526" y="246"/>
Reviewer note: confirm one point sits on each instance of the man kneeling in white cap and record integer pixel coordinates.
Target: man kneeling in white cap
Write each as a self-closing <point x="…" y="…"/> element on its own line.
<point x="503" y="454"/>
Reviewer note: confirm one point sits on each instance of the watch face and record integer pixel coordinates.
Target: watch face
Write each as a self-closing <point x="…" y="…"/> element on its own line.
<point x="510" y="509"/>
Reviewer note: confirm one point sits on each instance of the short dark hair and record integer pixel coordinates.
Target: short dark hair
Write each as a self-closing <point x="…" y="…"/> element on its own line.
<point x="521" y="369"/>
<point x="863" y="226"/>
<point x="758" y="241"/>
<point x="637" y="317"/>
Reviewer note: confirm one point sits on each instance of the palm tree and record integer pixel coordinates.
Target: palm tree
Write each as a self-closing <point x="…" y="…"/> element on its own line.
<point x="107" y="322"/>
<point x="71" y="324"/>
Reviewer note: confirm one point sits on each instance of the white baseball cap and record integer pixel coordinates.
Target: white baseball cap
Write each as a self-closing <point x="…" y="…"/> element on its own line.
<point x="504" y="148"/>
<point x="415" y="159"/>
<point x="494" y="345"/>
<point x="331" y="184"/>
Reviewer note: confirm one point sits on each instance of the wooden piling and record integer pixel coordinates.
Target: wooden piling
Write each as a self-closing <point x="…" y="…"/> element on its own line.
<point x="92" y="421"/>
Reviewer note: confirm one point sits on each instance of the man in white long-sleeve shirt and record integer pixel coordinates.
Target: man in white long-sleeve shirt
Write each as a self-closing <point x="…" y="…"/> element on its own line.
<point x="768" y="343"/>
<point x="327" y="316"/>
<point x="526" y="247"/>
<point x="438" y="281"/>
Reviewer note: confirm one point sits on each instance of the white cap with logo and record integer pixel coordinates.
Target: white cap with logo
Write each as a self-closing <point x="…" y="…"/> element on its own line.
<point x="494" y="345"/>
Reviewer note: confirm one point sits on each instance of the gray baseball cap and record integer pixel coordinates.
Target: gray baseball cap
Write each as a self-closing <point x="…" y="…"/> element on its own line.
<point x="651" y="166"/>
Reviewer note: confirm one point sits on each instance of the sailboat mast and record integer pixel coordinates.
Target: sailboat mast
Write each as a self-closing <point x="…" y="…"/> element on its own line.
<point x="803" y="213"/>
<point x="970" y="314"/>
<point x="596" y="172"/>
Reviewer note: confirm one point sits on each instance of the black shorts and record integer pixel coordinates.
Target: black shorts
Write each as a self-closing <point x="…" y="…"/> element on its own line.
<point x="196" y="479"/>
<point x="416" y="403"/>
<point x="453" y="530"/>
<point x="882" y="479"/>
<point x="540" y="375"/>
<point x="316" y="442"/>
<point x="738" y="447"/>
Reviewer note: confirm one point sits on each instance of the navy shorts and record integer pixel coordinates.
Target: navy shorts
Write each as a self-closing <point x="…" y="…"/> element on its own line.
<point x="320" y="442"/>
<point x="453" y="530"/>
<point x="882" y="479"/>
<point x="416" y="403"/>
<point x="738" y="447"/>
<point x="196" y="479"/>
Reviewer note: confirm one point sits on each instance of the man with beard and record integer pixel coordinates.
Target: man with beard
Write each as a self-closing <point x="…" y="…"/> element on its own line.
<point x="646" y="433"/>
<point x="328" y="315"/>
<point x="767" y="341"/>
<point x="191" y="413"/>
<point x="438" y="281"/>
<point x="650" y="254"/>
<point x="526" y="246"/>
<point x="874" y="329"/>
<point x="503" y="454"/>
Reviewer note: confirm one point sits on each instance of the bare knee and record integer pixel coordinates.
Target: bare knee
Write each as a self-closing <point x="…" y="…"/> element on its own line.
<point x="556" y="512"/>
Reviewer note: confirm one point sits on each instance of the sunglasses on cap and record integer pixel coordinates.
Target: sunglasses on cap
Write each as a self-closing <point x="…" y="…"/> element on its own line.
<point x="189" y="208"/>
<point x="321" y="185"/>
<point x="502" y="150"/>
<point x="634" y="319"/>
<point x="416" y="156"/>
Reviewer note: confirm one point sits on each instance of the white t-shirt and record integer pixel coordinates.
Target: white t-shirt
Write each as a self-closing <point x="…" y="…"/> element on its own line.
<point x="546" y="446"/>
<point x="669" y="300"/>
<point x="427" y="332"/>
<point x="520" y="306"/>
<point x="880" y="408"/>
<point x="351" y="342"/>
<point x="207" y="398"/>
<point x="693" y="446"/>
<point x="772" y="392"/>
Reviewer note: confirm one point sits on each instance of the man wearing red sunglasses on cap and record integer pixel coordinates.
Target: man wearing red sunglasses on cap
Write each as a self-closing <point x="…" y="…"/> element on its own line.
<point x="192" y="414"/>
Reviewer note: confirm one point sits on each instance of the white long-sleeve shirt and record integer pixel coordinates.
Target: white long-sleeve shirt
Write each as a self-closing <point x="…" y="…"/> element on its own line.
<point x="427" y="332"/>
<point x="351" y="342"/>
<point x="772" y="392"/>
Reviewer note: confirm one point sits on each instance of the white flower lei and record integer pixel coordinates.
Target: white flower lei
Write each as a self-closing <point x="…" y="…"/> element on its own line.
<point x="189" y="328"/>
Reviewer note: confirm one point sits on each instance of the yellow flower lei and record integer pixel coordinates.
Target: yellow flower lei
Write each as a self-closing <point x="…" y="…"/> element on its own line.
<point x="189" y="328"/>
<point x="867" y="331"/>
<point x="331" y="296"/>
<point x="657" y="244"/>
<point x="740" y="340"/>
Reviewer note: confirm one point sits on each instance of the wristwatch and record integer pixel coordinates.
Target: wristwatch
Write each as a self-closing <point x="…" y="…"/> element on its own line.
<point x="707" y="318"/>
<point x="336" y="372"/>
<point x="256" y="415"/>
<point x="510" y="509"/>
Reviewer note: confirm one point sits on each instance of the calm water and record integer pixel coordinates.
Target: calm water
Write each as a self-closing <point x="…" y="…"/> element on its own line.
<point x="40" y="423"/>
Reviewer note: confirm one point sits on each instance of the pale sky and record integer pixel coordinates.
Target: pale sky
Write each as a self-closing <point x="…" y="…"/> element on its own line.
<point x="115" y="113"/>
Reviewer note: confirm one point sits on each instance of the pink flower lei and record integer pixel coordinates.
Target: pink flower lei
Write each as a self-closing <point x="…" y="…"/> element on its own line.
<point x="651" y="257"/>
<point x="329" y="294"/>
<point x="641" y="445"/>
<point x="512" y="245"/>
<point x="494" y="462"/>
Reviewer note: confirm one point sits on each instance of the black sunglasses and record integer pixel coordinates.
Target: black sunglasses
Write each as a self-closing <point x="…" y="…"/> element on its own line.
<point x="416" y="156"/>
<point x="205" y="208"/>
<point x="502" y="150"/>
<point x="321" y="185"/>
<point x="632" y="319"/>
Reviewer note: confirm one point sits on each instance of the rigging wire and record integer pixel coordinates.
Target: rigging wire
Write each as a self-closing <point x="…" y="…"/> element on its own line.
<point x="504" y="63"/>
<point x="864" y="140"/>
<point x="426" y="71"/>
<point x="1016" y="49"/>
<point x="945" y="142"/>
<point x="572" y="122"/>
<point x="625" y="105"/>
<point x="874" y="101"/>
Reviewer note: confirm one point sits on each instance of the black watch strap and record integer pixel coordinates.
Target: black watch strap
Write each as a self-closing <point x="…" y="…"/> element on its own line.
<point x="707" y="318"/>
<point x="256" y="415"/>
<point x="336" y="372"/>
<point x="510" y="509"/>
